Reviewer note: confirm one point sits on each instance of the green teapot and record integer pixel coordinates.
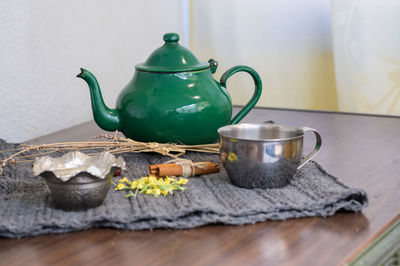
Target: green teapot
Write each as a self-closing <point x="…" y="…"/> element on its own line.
<point x="172" y="97"/>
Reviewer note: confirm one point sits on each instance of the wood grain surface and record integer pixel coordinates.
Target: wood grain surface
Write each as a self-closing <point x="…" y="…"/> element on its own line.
<point x="363" y="151"/>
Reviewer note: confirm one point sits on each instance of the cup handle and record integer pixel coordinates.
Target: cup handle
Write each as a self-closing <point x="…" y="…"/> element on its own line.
<point x="316" y="149"/>
<point x="257" y="90"/>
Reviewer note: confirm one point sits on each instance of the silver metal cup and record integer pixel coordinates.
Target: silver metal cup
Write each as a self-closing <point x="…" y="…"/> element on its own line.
<point x="263" y="155"/>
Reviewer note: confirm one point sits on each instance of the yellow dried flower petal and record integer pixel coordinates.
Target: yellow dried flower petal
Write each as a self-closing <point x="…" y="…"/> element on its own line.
<point x="171" y="179"/>
<point x="152" y="185"/>
<point x="124" y="180"/>
<point x="134" y="184"/>
<point x="182" y="181"/>
<point x="152" y="179"/>
<point x="232" y="157"/>
<point x="120" y="186"/>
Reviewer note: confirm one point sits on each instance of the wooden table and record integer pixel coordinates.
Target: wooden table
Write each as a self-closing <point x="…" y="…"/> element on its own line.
<point x="363" y="151"/>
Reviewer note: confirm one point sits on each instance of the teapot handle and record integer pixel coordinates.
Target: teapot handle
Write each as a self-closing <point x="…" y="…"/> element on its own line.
<point x="257" y="90"/>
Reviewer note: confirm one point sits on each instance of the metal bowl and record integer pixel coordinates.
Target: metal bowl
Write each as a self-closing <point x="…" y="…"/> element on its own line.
<point x="82" y="191"/>
<point x="77" y="181"/>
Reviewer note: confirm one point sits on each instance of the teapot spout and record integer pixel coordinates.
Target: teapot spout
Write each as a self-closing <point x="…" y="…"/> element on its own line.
<point x="106" y="118"/>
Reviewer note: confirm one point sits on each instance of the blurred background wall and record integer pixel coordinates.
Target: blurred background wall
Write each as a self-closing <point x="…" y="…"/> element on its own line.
<point x="341" y="55"/>
<point x="338" y="55"/>
<point x="366" y="41"/>
<point x="288" y="42"/>
<point x="43" y="44"/>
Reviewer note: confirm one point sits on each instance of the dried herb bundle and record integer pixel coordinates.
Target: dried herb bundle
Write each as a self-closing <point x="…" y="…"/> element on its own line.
<point x="114" y="144"/>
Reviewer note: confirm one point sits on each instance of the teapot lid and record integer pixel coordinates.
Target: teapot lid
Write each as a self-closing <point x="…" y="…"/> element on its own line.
<point x="172" y="57"/>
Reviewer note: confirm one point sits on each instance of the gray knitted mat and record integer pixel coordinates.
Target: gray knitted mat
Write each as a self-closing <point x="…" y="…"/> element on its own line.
<point x="26" y="209"/>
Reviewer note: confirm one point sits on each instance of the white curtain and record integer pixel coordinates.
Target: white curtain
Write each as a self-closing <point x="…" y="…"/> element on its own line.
<point x="366" y="35"/>
<point x="340" y="55"/>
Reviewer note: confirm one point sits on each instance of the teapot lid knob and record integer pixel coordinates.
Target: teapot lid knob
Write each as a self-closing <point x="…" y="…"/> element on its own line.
<point x="171" y="37"/>
<point x="172" y="57"/>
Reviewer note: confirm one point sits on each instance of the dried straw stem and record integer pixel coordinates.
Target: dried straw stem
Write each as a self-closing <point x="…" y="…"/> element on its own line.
<point x="114" y="144"/>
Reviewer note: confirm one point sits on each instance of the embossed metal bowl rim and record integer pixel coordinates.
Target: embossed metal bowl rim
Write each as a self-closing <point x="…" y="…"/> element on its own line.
<point x="222" y="131"/>
<point x="57" y="181"/>
<point x="75" y="162"/>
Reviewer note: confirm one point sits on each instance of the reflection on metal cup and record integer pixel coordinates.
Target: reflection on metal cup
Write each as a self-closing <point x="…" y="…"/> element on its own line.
<point x="263" y="155"/>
